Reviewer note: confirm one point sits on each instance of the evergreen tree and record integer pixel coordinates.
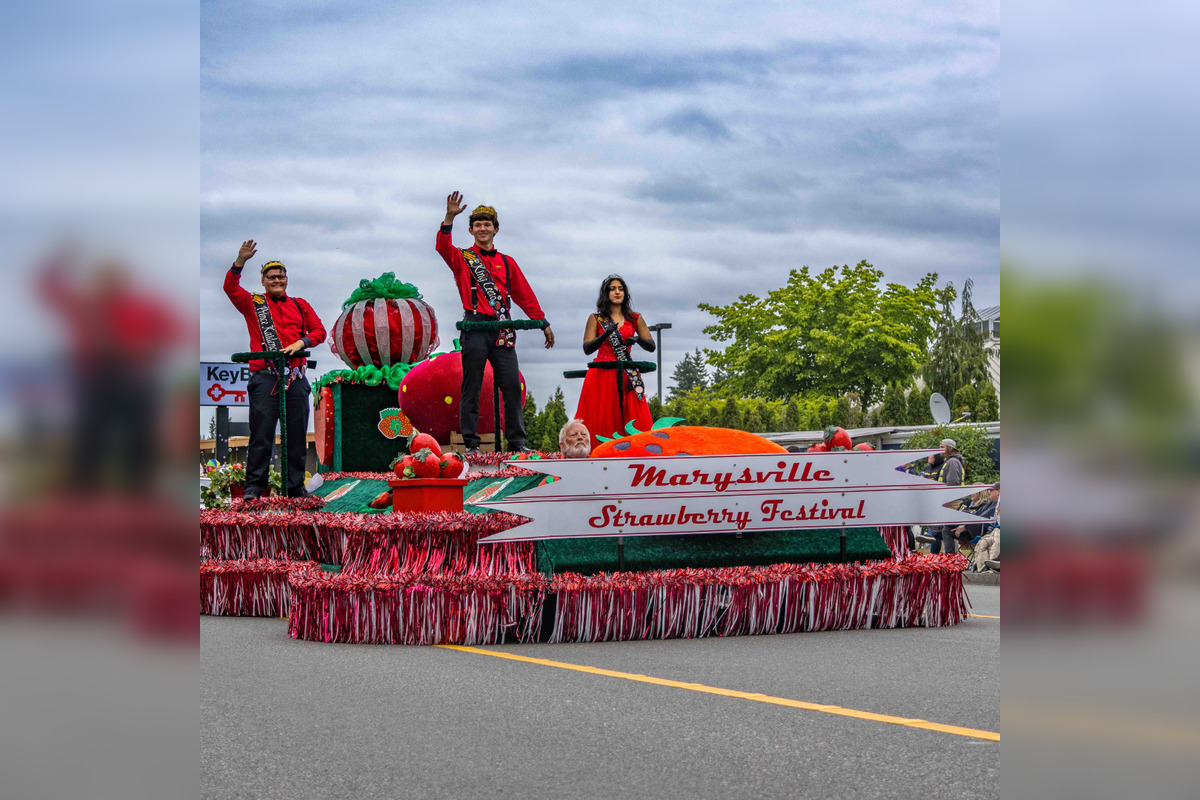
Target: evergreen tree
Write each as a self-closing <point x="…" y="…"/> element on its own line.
<point x="957" y="356"/>
<point x="856" y="410"/>
<point x="894" y="411"/>
<point x="811" y="421"/>
<point x="689" y="374"/>
<point x="551" y="420"/>
<point x="212" y="427"/>
<point x="656" y="407"/>
<point x="791" y="415"/>
<point x="918" y="407"/>
<point x="533" y="423"/>
<point x="752" y="420"/>
<point x="965" y="400"/>
<point x="770" y="418"/>
<point x="841" y="412"/>
<point x="730" y="418"/>
<point x="987" y="408"/>
<point x="825" y="413"/>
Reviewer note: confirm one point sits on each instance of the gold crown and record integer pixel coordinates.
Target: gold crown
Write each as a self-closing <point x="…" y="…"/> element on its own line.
<point x="272" y="265"/>
<point x="484" y="210"/>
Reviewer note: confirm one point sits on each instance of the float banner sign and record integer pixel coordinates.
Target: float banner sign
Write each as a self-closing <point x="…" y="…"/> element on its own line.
<point x="224" y="384"/>
<point x="729" y="494"/>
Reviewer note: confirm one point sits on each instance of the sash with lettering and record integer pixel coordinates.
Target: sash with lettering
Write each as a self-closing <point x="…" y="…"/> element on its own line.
<point x="618" y="346"/>
<point x="505" y="337"/>
<point x="271" y="341"/>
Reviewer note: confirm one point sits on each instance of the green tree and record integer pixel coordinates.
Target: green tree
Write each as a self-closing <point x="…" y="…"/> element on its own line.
<point x="856" y="410"/>
<point x="964" y="400"/>
<point x="551" y="420"/>
<point x="770" y="417"/>
<point x="656" y="407"/>
<point x="689" y="374"/>
<point x="825" y="413"/>
<point x="918" y="406"/>
<point x="957" y="356"/>
<point x="987" y="408"/>
<point x="730" y="418"/>
<point x="832" y="332"/>
<point x="752" y="420"/>
<point x="791" y="415"/>
<point x="894" y="410"/>
<point x="841" y="412"/>
<point x="212" y="427"/>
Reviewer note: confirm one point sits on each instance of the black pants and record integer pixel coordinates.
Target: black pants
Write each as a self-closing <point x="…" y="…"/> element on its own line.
<point x="478" y="348"/>
<point x="264" y="417"/>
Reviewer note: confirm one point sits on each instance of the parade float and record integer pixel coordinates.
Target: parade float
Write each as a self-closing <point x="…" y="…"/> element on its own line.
<point x="675" y="532"/>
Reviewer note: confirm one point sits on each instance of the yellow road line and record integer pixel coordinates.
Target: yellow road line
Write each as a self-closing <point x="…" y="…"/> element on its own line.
<point x="756" y="697"/>
<point x="983" y="616"/>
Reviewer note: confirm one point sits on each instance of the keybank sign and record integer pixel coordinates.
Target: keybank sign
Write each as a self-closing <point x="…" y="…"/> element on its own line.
<point x="224" y="384"/>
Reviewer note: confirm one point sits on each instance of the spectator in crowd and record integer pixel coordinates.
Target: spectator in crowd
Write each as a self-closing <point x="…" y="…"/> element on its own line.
<point x="950" y="472"/>
<point x="574" y="440"/>
<point x="987" y="549"/>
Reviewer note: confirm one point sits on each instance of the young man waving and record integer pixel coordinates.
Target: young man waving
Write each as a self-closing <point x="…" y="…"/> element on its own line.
<point x="488" y="283"/>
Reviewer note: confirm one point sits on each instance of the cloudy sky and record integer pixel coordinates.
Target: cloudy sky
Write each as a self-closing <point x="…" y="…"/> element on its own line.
<point x="699" y="150"/>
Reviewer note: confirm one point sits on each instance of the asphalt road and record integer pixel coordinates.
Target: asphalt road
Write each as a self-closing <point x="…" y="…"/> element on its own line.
<point x="294" y="720"/>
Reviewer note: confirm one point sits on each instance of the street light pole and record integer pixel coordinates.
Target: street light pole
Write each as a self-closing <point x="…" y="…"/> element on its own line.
<point x="658" y="328"/>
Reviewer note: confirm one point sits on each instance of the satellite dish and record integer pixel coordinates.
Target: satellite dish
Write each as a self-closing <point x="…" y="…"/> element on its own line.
<point x="939" y="408"/>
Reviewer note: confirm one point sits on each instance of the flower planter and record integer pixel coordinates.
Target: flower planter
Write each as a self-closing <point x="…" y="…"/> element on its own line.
<point x="427" y="494"/>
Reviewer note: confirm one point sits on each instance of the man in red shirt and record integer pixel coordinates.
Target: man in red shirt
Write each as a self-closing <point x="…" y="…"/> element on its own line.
<point x="291" y="326"/>
<point x="488" y="282"/>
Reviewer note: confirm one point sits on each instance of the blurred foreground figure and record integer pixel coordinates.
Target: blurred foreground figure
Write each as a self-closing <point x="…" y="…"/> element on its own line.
<point x="90" y="527"/>
<point x="118" y="340"/>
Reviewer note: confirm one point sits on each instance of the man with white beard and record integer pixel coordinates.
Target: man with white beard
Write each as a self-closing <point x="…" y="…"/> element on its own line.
<point x="574" y="440"/>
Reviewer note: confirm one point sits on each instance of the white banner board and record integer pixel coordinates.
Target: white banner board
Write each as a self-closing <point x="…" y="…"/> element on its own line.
<point x="728" y="494"/>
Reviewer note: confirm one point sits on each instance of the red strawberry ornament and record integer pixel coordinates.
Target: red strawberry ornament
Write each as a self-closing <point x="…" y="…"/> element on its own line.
<point x="425" y="464"/>
<point x="864" y="447"/>
<point x="403" y="466"/>
<point x="382" y="501"/>
<point x="836" y="437"/>
<point x="451" y="466"/>
<point x="819" y="447"/>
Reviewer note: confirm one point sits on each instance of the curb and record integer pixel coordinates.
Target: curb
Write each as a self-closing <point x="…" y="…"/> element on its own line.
<point x="982" y="578"/>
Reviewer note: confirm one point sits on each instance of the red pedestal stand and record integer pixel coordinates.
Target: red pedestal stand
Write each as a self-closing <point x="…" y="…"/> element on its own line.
<point x="427" y="494"/>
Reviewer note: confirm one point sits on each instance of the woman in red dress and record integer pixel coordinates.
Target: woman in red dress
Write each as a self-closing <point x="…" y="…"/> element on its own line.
<point x="613" y="397"/>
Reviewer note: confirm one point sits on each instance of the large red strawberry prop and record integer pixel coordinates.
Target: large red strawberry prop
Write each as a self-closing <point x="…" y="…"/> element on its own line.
<point x="423" y="441"/>
<point x="864" y="447"/>
<point x="431" y="392"/>
<point x="819" y="447"/>
<point x="425" y="464"/>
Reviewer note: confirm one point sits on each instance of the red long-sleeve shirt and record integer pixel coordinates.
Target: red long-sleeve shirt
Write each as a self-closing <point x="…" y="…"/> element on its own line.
<point x="517" y="288"/>
<point x="294" y="319"/>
